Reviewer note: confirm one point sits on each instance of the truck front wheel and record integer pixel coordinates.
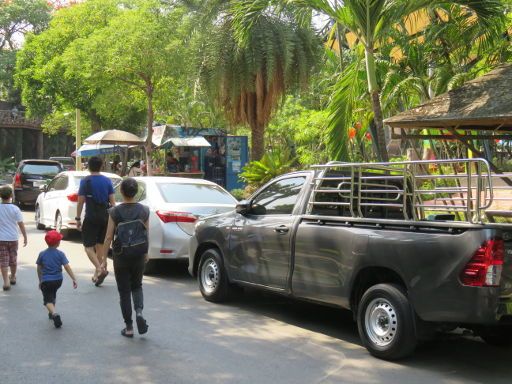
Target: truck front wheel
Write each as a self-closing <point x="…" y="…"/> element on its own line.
<point x="385" y="320"/>
<point x="212" y="278"/>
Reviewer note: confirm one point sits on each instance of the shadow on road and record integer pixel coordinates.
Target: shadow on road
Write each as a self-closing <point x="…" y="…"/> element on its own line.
<point x="451" y="353"/>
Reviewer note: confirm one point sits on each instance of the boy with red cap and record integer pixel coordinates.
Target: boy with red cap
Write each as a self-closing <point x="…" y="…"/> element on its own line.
<point x="49" y="270"/>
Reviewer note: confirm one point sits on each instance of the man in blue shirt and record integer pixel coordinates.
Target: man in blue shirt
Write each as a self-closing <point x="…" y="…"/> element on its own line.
<point x="49" y="270"/>
<point x="97" y="193"/>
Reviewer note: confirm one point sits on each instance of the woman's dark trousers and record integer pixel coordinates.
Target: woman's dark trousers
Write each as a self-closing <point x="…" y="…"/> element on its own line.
<point x="129" y="274"/>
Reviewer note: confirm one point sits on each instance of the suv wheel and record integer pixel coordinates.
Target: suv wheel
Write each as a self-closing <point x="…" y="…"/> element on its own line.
<point x="213" y="281"/>
<point x="58" y="225"/>
<point x="386" y="322"/>
<point x="38" y="219"/>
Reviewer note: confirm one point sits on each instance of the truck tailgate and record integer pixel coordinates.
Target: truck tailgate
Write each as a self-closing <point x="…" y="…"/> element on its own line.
<point x="506" y="282"/>
<point x="505" y="307"/>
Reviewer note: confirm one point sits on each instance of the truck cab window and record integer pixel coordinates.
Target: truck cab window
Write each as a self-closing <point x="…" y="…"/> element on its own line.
<point x="278" y="198"/>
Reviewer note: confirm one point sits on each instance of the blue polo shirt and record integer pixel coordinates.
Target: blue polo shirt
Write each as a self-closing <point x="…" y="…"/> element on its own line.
<point x="101" y="189"/>
<point x="52" y="261"/>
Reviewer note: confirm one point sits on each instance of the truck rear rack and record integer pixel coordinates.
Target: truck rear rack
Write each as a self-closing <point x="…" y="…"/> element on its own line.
<point x="425" y="190"/>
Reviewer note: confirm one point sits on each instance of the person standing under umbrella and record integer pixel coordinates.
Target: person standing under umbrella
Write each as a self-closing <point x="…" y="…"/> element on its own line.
<point x="97" y="192"/>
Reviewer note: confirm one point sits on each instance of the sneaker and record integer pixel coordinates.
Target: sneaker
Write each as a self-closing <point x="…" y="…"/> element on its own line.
<point x="57" y="320"/>
<point x="50" y="316"/>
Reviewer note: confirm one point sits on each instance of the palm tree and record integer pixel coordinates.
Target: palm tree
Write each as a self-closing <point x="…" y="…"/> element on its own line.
<point x="372" y="22"/>
<point x="248" y="68"/>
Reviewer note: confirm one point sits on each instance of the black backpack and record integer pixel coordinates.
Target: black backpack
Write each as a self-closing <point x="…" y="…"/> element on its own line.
<point x="131" y="238"/>
<point x="97" y="212"/>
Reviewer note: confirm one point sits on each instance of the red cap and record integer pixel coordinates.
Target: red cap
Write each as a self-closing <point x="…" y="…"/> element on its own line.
<point x="53" y="238"/>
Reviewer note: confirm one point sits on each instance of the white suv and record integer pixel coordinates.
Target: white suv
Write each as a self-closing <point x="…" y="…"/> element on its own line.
<point x="56" y="204"/>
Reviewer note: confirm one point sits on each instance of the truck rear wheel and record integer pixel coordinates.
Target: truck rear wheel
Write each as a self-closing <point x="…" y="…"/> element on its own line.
<point x="386" y="322"/>
<point x="212" y="278"/>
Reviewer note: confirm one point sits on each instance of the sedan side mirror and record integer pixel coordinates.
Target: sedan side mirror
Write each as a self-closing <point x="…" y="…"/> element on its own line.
<point x="43" y="188"/>
<point x="243" y="207"/>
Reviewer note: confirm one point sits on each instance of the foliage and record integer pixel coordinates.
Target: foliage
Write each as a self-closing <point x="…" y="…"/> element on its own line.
<point x="16" y="19"/>
<point x="248" y="67"/>
<point x="7" y="165"/>
<point x="272" y="164"/>
<point x="238" y="194"/>
<point x="42" y="73"/>
<point x="300" y="129"/>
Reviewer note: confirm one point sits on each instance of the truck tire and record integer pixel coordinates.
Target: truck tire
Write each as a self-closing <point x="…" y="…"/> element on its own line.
<point x="386" y="322"/>
<point x="212" y="278"/>
<point x="500" y="336"/>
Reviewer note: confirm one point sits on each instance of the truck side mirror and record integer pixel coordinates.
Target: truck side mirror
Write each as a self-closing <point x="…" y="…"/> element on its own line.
<point x="243" y="207"/>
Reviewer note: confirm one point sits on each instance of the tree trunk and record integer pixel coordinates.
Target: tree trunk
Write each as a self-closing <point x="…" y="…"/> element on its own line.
<point x="257" y="141"/>
<point x="95" y="121"/>
<point x="149" y="126"/>
<point x="373" y="88"/>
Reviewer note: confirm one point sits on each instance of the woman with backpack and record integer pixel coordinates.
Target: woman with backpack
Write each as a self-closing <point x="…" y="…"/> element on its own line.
<point x="127" y="231"/>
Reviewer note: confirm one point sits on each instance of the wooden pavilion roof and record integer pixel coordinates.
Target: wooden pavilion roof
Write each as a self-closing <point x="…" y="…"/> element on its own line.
<point x="481" y="104"/>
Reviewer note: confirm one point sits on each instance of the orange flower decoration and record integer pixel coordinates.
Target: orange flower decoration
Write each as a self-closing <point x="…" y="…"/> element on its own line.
<point x="351" y="133"/>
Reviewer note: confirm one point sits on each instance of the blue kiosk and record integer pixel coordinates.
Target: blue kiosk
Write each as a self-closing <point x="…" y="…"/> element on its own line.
<point x="205" y="152"/>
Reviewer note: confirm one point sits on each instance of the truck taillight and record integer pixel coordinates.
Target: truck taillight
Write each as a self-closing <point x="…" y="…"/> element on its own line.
<point x="17" y="181"/>
<point x="176" y="217"/>
<point x="73" y="197"/>
<point x="484" y="268"/>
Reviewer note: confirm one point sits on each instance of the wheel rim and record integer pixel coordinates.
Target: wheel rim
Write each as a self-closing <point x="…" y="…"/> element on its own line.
<point x="37" y="214"/>
<point x="58" y="223"/>
<point x="381" y="322"/>
<point x="210" y="275"/>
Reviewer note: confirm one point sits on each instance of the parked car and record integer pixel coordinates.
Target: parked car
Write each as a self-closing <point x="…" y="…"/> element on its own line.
<point x="67" y="162"/>
<point x="367" y="242"/>
<point x="175" y="205"/>
<point x="29" y="176"/>
<point x="56" y="204"/>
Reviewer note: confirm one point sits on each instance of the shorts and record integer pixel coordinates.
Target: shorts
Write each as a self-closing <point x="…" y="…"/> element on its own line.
<point x="49" y="289"/>
<point x="93" y="233"/>
<point x="8" y="253"/>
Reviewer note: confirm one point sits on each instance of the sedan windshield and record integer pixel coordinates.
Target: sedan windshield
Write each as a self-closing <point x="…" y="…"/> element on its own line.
<point x="194" y="193"/>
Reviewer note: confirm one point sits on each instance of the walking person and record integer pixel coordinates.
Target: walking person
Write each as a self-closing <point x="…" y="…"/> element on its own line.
<point x="127" y="231"/>
<point x="97" y="192"/>
<point x="10" y="220"/>
<point x="49" y="271"/>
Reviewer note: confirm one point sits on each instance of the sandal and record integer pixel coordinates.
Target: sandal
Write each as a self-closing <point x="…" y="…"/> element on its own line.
<point x="6" y="287"/>
<point x="101" y="278"/>
<point x="125" y="333"/>
<point x="142" y="325"/>
<point x="12" y="281"/>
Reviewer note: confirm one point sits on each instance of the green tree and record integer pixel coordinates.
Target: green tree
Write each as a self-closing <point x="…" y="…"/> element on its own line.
<point x="138" y="52"/>
<point x="372" y="22"/>
<point x="45" y="81"/>
<point x="17" y="18"/>
<point x="248" y="68"/>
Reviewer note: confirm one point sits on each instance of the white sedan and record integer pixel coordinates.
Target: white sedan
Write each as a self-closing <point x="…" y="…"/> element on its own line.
<point x="56" y="204"/>
<point x="175" y="204"/>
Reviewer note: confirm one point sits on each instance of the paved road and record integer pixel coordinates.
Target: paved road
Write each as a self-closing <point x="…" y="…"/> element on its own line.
<point x="256" y="338"/>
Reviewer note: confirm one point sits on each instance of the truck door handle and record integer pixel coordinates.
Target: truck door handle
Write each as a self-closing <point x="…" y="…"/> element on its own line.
<point x="281" y="229"/>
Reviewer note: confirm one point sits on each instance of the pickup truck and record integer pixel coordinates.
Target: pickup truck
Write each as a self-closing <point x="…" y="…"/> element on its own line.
<point x="404" y="246"/>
